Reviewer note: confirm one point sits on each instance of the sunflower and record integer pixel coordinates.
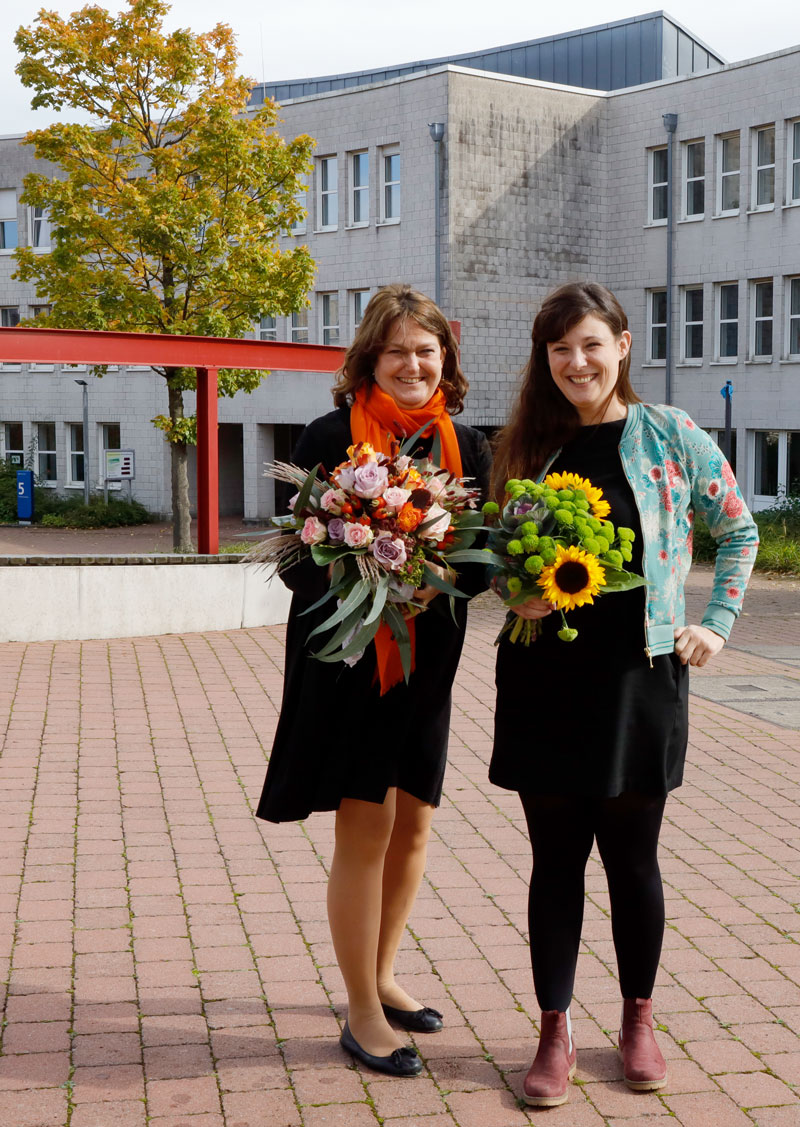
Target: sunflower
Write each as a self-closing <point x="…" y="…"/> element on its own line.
<point x="600" y="507"/>
<point x="574" y="579"/>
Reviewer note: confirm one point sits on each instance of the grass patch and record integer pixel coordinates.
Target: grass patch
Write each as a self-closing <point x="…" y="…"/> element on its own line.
<point x="779" y="531"/>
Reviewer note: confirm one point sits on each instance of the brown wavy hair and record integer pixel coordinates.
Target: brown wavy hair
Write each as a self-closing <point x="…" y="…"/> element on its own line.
<point x="542" y="418"/>
<point x="392" y="303"/>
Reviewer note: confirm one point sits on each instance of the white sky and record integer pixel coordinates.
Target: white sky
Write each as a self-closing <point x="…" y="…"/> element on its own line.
<point x="283" y="40"/>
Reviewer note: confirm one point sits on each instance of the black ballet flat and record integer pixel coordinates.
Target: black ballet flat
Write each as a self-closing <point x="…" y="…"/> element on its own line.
<point x="402" y="1062"/>
<point x="425" y="1020"/>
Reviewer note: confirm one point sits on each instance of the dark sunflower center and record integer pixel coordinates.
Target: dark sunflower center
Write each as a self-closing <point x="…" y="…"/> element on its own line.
<point x="572" y="576"/>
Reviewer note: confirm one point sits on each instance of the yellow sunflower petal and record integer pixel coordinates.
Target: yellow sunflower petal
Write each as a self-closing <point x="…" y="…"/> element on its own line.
<point x="573" y="580"/>
<point x="600" y="507"/>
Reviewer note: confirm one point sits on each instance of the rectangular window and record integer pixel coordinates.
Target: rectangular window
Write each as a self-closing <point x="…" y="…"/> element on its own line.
<point x="110" y="439"/>
<point x="793" y="462"/>
<point x="46" y="452"/>
<point x="301" y="198"/>
<point x="657" y="175"/>
<point x="728" y="319"/>
<point x="729" y="170"/>
<point x="764" y="166"/>
<point x="77" y="460"/>
<point x="268" y="327"/>
<point x="360" y="302"/>
<point x="765" y="482"/>
<point x="13" y="445"/>
<point x="694" y="165"/>
<point x="359" y="192"/>
<point x="390" y="187"/>
<point x="762" y="319"/>
<point x="329" y="306"/>
<point x="657" y="316"/>
<point x="300" y="327"/>
<point x="40" y="228"/>
<point x="9" y="316"/>
<point x="8" y="219"/>
<point x="693" y="323"/>
<point x="793" y="163"/>
<point x="719" y="438"/>
<point x="793" y="318"/>
<point x="328" y="193"/>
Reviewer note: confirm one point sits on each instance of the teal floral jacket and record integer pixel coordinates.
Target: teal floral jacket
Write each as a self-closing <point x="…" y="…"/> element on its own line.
<point x="675" y="470"/>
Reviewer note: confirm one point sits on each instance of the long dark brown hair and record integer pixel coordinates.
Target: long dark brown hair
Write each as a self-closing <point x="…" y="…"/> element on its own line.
<point x="392" y="303"/>
<point x="542" y="418"/>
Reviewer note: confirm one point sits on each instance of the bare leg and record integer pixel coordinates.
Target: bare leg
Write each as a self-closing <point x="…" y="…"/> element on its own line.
<point x="363" y="834"/>
<point x="402" y="874"/>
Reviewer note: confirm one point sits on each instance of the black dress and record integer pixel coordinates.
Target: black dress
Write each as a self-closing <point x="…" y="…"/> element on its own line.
<point x="592" y="717"/>
<point x="336" y="736"/>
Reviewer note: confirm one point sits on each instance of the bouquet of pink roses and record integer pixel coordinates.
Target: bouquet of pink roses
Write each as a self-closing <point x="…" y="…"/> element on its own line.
<point x="378" y="521"/>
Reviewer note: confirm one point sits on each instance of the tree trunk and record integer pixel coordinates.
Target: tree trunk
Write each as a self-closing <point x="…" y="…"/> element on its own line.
<point x="181" y="513"/>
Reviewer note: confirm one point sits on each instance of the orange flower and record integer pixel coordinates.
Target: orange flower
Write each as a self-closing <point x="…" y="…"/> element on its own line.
<point x="409" y="517"/>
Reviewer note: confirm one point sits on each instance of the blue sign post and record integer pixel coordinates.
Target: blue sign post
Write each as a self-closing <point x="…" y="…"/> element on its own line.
<point x="25" y="496"/>
<point x="727" y="394"/>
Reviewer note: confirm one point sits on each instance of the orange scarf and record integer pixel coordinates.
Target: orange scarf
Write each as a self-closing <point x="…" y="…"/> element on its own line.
<point x="377" y="419"/>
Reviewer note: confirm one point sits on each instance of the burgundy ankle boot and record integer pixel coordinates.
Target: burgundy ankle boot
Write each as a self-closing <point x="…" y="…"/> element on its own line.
<point x="554" y="1064"/>
<point x="643" y="1066"/>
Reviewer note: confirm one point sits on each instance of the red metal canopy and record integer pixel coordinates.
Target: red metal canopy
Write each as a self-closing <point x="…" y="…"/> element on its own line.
<point x="206" y="354"/>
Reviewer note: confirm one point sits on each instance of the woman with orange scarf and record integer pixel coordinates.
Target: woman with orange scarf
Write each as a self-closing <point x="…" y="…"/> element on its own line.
<point x="360" y="740"/>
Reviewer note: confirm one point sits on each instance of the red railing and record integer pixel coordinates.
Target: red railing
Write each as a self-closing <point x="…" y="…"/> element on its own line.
<point x="206" y="354"/>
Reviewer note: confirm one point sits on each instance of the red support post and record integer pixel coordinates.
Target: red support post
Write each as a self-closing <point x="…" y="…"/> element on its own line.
<point x="207" y="463"/>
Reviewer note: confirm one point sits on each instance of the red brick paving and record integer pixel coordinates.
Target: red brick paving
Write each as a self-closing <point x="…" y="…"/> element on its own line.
<point x="167" y="956"/>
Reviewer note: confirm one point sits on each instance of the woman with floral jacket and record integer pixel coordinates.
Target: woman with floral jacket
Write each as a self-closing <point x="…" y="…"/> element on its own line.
<point x="593" y="734"/>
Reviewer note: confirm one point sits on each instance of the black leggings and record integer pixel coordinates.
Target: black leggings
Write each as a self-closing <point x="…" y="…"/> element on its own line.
<point x="562" y="831"/>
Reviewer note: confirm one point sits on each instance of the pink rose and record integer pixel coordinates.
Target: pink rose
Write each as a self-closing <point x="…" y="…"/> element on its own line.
<point x="441" y="523"/>
<point x="713" y="488"/>
<point x="436" y="485"/>
<point x="389" y="552"/>
<point x="357" y="535"/>
<point x="313" y="531"/>
<point x="370" y="480"/>
<point x="344" y="476"/>
<point x="332" y="501"/>
<point x="733" y="505"/>
<point x="395" y="498"/>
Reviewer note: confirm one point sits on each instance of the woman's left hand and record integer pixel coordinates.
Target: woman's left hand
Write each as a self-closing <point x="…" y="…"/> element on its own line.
<point x="428" y="592"/>
<point x="694" y="645"/>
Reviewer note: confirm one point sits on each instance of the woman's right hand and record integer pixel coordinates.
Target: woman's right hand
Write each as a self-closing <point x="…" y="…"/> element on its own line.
<point x="533" y="608"/>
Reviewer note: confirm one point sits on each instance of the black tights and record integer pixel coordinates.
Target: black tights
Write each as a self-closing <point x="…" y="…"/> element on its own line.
<point x="562" y="831"/>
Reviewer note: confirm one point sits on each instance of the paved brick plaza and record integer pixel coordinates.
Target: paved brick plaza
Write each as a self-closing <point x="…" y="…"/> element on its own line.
<point x="168" y="956"/>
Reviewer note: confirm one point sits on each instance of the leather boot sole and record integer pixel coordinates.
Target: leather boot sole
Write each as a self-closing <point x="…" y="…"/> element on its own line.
<point x="550" y="1101"/>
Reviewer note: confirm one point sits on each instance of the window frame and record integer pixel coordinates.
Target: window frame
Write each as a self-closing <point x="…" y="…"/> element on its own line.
<point x="354" y="296"/>
<point x="46" y="452"/>
<point x="73" y="454"/>
<point x="791" y="283"/>
<point x="722" y="175"/>
<point x="756" y="320"/>
<point x="653" y="185"/>
<point x="757" y="168"/>
<point x="327" y="194"/>
<point x="270" y="332"/>
<point x="793" y="161"/>
<point x="10" y="221"/>
<point x="329" y="330"/>
<point x="102" y="446"/>
<point x="654" y="326"/>
<point x="388" y="153"/>
<point x="298" y="326"/>
<point x="693" y="216"/>
<point x="10" y="449"/>
<point x="719" y="321"/>
<point x="300" y="227"/>
<point x="687" y="324"/>
<point x="359" y="193"/>
<point x="43" y="222"/>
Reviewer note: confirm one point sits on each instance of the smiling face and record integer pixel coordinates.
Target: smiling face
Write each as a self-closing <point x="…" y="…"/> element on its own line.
<point x="584" y="365"/>
<point x="409" y="366"/>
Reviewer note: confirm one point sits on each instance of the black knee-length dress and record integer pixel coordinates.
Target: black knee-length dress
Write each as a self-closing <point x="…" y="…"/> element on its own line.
<point x="336" y="736"/>
<point x="592" y="717"/>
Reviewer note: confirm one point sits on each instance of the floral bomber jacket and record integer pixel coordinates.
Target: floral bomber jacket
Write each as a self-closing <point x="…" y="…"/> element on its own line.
<point x="675" y="469"/>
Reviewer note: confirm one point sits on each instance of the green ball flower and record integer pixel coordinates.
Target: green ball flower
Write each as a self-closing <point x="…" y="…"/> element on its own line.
<point x="536" y="490"/>
<point x="530" y="543"/>
<point x="564" y="516"/>
<point x="512" y="484"/>
<point x="608" y="530"/>
<point x="529" y="485"/>
<point x="552" y="503"/>
<point x="603" y="544"/>
<point x="613" y="557"/>
<point x="566" y="494"/>
<point x="589" y="544"/>
<point x="534" y="564"/>
<point x="567" y="634"/>
<point x="514" y="585"/>
<point x="547" y="543"/>
<point x="626" y="534"/>
<point x="548" y="555"/>
<point x="625" y="551"/>
<point x="595" y="524"/>
<point x="491" y="508"/>
<point x="529" y="528"/>
<point x="582" y="504"/>
<point x="514" y="548"/>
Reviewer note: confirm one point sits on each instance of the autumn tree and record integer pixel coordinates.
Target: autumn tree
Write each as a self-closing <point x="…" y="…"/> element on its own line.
<point x="165" y="214"/>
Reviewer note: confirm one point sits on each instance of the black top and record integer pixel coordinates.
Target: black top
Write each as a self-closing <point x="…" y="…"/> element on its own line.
<point x="592" y="716"/>
<point x="336" y="736"/>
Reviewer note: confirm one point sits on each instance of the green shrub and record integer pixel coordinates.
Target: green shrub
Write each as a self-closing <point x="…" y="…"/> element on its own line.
<point x="779" y="532"/>
<point x="55" y="511"/>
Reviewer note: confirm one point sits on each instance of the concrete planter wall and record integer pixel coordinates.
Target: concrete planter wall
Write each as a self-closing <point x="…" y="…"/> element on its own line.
<point x="53" y="598"/>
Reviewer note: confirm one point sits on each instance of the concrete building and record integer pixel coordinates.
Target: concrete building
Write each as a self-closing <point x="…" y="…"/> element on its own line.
<point x="539" y="182"/>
